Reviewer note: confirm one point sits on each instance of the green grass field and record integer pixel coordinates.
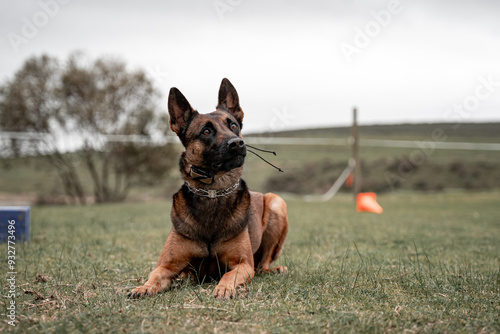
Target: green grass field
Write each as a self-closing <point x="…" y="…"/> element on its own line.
<point x="429" y="264"/>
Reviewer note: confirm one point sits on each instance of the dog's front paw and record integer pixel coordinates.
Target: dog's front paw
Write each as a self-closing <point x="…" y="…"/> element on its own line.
<point x="159" y="280"/>
<point x="280" y="269"/>
<point x="224" y="292"/>
<point x="142" y="291"/>
<point x="275" y="270"/>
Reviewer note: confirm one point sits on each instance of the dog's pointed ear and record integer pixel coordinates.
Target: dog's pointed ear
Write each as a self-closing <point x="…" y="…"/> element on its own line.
<point x="180" y="111"/>
<point x="228" y="98"/>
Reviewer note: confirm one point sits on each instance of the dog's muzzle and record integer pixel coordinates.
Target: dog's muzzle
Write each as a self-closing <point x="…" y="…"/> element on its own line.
<point x="237" y="146"/>
<point x="232" y="156"/>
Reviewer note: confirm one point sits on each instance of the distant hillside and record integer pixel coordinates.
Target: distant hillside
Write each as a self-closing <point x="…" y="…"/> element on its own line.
<point x="474" y="132"/>
<point x="313" y="169"/>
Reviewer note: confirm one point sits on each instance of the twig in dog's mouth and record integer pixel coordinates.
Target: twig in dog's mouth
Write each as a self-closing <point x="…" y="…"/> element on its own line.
<point x="258" y="149"/>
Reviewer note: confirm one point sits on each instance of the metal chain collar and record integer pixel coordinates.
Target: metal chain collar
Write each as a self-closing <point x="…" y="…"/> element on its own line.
<point x="214" y="193"/>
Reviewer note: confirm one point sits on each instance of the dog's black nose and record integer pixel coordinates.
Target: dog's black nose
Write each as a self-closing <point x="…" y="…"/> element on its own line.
<point x="235" y="144"/>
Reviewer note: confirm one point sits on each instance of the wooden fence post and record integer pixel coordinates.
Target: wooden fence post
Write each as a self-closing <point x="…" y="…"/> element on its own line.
<point x="355" y="144"/>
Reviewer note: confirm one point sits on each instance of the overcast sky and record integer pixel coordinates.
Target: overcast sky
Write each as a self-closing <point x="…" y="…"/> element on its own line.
<point x="295" y="64"/>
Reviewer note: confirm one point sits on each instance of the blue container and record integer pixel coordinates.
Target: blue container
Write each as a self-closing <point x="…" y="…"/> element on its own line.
<point x="17" y="216"/>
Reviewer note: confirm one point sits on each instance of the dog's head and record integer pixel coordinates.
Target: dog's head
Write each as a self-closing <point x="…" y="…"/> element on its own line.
<point x="212" y="141"/>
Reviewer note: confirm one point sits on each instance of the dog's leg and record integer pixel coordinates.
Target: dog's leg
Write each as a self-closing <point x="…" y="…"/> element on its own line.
<point x="276" y="222"/>
<point x="175" y="256"/>
<point x="236" y="255"/>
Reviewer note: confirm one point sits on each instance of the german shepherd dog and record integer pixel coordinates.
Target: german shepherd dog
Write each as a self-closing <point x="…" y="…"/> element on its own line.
<point x="220" y="229"/>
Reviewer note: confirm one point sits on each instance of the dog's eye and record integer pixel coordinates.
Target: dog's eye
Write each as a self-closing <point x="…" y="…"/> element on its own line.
<point x="234" y="126"/>
<point x="206" y="132"/>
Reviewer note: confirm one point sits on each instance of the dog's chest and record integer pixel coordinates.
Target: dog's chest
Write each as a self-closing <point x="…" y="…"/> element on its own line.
<point x="209" y="221"/>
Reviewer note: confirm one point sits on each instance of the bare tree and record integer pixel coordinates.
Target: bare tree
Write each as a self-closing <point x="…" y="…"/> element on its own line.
<point x="29" y="103"/>
<point x="102" y="105"/>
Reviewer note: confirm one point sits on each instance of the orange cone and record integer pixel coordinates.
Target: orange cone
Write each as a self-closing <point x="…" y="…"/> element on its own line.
<point x="367" y="202"/>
